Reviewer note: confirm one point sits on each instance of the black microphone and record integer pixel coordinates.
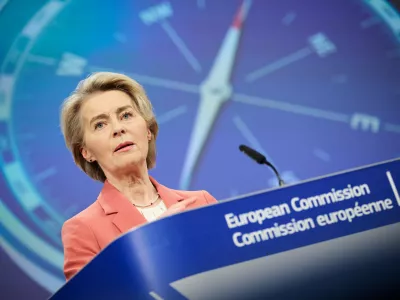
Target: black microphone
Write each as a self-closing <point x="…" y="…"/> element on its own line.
<point x="261" y="159"/>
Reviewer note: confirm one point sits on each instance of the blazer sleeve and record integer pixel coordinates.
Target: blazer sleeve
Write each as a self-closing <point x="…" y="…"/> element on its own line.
<point x="80" y="246"/>
<point x="209" y="198"/>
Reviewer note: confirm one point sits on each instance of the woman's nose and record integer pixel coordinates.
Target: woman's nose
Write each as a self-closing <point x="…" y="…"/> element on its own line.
<point x="118" y="130"/>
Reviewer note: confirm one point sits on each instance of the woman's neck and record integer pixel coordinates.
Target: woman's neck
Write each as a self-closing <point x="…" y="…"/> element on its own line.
<point x="136" y="186"/>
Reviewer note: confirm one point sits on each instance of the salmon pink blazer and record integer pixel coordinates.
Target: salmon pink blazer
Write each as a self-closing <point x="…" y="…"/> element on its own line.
<point x="87" y="233"/>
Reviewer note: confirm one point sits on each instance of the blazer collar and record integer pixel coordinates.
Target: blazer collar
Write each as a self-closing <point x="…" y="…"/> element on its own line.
<point x="125" y="216"/>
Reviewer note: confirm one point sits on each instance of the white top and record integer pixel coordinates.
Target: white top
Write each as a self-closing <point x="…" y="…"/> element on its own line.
<point x="152" y="212"/>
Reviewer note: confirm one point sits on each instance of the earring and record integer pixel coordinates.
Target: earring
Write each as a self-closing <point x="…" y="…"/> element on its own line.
<point x="90" y="160"/>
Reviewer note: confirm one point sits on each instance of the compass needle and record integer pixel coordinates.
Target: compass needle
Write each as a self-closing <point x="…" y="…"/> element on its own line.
<point x="214" y="92"/>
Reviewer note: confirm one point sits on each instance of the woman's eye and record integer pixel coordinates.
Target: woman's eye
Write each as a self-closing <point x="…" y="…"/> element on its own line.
<point x="127" y="115"/>
<point x="99" y="125"/>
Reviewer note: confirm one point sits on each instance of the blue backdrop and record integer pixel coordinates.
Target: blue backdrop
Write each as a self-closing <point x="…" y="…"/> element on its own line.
<point x="313" y="84"/>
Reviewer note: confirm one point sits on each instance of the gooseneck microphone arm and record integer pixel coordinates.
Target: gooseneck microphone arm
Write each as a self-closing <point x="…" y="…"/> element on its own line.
<point x="280" y="180"/>
<point x="261" y="159"/>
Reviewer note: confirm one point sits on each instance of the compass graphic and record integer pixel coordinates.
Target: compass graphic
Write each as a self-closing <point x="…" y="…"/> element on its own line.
<point x="312" y="85"/>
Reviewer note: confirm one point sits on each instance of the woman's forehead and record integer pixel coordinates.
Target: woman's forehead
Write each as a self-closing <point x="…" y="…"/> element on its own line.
<point x="106" y="103"/>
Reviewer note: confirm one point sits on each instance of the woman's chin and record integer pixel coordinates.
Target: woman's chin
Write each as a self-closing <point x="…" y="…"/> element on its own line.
<point x="132" y="159"/>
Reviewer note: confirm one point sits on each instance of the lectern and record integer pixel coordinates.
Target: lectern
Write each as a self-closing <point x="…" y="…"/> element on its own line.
<point x="334" y="237"/>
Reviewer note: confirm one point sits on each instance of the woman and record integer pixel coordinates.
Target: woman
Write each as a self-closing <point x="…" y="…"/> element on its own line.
<point x="109" y="126"/>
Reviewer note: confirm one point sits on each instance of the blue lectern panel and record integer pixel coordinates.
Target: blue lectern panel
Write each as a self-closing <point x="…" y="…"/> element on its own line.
<point x="337" y="237"/>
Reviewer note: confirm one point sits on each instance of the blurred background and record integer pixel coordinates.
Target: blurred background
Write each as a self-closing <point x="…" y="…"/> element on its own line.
<point x="314" y="85"/>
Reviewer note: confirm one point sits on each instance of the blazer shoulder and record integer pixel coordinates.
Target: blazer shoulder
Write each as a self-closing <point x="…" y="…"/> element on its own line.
<point x="81" y="223"/>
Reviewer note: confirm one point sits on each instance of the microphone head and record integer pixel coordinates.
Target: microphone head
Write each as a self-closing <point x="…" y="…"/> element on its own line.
<point x="242" y="148"/>
<point x="253" y="154"/>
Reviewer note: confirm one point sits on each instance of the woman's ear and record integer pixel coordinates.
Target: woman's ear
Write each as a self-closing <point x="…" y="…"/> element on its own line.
<point x="87" y="155"/>
<point x="149" y="134"/>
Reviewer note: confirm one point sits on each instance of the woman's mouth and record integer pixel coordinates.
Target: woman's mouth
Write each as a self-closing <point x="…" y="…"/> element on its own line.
<point x="125" y="146"/>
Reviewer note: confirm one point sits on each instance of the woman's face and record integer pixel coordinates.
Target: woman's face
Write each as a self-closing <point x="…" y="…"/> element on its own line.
<point x="115" y="134"/>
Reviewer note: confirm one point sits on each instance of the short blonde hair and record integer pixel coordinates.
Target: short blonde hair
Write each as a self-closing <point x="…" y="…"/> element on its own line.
<point x="71" y="121"/>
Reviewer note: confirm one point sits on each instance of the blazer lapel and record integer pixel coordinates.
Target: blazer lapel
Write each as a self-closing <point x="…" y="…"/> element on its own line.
<point x="122" y="213"/>
<point x="169" y="196"/>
